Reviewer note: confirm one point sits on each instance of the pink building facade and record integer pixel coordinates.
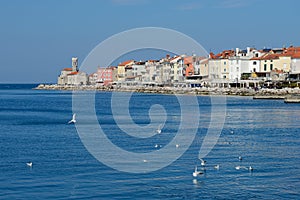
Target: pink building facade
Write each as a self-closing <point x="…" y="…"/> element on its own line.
<point x="106" y="76"/>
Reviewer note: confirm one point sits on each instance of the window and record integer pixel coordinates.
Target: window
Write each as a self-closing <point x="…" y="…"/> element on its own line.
<point x="225" y="63"/>
<point x="271" y="67"/>
<point x="265" y="67"/>
<point x="224" y="70"/>
<point x="271" y="60"/>
<point x="254" y="63"/>
<point x="224" y="77"/>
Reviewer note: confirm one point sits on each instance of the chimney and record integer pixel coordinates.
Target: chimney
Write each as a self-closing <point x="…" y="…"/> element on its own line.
<point x="237" y="50"/>
<point x="248" y="50"/>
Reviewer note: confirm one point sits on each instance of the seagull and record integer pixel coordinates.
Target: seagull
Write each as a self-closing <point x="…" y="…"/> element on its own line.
<point x="177" y="145"/>
<point x="73" y="120"/>
<point x="250" y="168"/>
<point x="240" y="167"/>
<point x="196" y="172"/>
<point x="156" y="146"/>
<point x="202" y="162"/>
<point x="217" y="167"/>
<point x="145" y="161"/>
<point x="29" y="164"/>
<point x="231" y="132"/>
<point x="240" y="158"/>
<point x="159" y="129"/>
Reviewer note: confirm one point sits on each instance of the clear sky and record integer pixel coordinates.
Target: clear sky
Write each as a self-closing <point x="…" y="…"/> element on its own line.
<point x="39" y="37"/>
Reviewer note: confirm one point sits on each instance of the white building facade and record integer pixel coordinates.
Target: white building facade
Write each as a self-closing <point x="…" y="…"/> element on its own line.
<point x="71" y="76"/>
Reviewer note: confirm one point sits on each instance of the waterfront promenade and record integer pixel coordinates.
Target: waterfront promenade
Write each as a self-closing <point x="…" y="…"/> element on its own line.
<point x="264" y="93"/>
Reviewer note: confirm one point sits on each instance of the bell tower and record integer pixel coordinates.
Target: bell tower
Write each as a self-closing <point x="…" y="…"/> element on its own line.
<point x="74" y="64"/>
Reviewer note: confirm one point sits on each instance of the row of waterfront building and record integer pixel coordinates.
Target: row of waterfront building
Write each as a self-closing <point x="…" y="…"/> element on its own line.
<point x="227" y="67"/>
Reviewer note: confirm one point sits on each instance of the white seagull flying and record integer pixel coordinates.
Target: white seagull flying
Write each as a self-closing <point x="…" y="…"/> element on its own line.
<point x="196" y="172"/>
<point x="240" y="167"/>
<point x="159" y="129"/>
<point x="73" y="120"/>
<point x="29" y="164"/>
<point x="203" y="162"/>
<point x="250" y="168"/>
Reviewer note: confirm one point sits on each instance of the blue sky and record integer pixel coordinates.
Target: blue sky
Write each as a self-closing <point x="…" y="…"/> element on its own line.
<point x="38" y="38"/>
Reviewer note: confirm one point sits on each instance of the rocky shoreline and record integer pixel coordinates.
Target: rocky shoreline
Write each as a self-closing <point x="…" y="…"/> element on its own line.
<point x="263" y="93"/>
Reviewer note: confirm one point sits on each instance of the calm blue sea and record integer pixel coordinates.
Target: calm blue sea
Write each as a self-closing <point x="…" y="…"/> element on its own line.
<point x="33" y="127"/>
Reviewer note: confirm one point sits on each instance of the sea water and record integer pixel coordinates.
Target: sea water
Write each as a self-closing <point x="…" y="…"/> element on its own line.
<point x="34" y="128"/>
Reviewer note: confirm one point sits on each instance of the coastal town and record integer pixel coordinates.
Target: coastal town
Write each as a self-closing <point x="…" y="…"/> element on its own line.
<point x="249" y="68"/>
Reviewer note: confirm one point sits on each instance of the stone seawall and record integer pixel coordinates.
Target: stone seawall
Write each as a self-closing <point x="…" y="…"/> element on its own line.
<point x="258" y="94"/>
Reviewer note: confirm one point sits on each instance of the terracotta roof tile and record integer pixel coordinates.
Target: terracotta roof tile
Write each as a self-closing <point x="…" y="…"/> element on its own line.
<point x="188" y="60"/>
<point x="73" y="73"/>
<point x="67" y="69"/>
<point x="291" y="51"/>
<point x="126" y="62"/>
<point x="296" y="55"/>
<point x="255" y="58"/>
<point x="223" y="55"/>
<point x="152" y="61"/>
<point x="174" y="58"/>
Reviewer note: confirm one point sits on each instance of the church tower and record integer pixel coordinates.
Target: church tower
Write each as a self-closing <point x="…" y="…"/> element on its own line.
<point x="74" y="64"/>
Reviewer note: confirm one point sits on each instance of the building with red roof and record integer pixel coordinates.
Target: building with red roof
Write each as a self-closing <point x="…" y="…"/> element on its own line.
<point x="122" y="69"/>
<point x="295" y="64"/>
<point x="106" y="76"/>
<point x="219" y="65"/>
<point x="71" y="76"/>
